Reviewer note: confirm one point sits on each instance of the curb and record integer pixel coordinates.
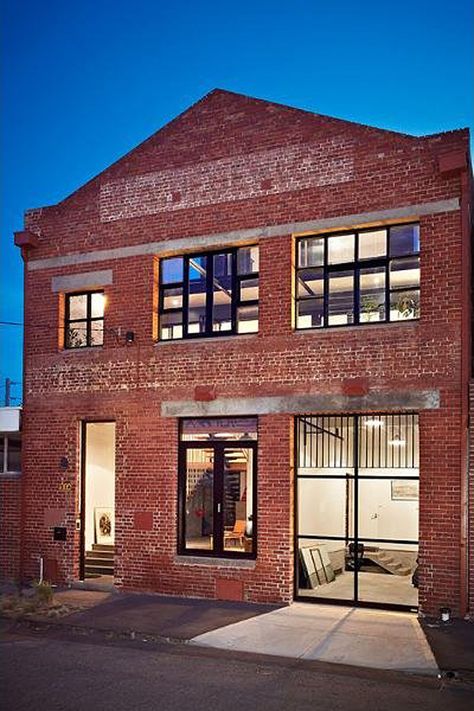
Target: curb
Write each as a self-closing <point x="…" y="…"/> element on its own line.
<point x="443" y="680"/>
<point x="38" y="624"/>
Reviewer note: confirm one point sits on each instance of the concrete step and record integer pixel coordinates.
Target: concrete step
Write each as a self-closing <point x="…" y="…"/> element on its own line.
<point x="98" y="570"/>
<point x="388" y="563"/>
<point x="103" y="555"/>
<point x="98" y="560"/>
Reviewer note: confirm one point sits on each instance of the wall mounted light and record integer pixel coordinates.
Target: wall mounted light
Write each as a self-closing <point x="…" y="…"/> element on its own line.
<point x="129" y="337"/>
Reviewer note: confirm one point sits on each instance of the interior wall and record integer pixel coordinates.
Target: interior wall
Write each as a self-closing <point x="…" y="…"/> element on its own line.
<point x="380" y="516"/>
<point x="322" y="505"/>
<point x="99" y="475"/>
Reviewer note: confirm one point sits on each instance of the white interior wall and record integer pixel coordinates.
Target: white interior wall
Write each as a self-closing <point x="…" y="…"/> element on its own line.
<point x="382" y="517"/>
<point x="322" y="505"/>
<point x="99" y="474"/>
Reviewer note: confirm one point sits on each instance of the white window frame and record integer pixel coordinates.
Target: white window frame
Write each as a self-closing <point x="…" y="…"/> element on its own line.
<point x="4" y="468"/>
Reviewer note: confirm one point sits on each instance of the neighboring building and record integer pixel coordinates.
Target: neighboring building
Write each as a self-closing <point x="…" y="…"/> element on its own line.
<point x="10" y="492"/>
<point x="247" y="351"/>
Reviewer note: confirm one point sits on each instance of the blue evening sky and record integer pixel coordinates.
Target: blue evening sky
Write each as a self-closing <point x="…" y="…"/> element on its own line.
<point x="84" y="82"/>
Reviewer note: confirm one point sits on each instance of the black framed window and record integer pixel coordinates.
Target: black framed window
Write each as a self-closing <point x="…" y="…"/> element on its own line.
<point x="84" y="319"/>
<point x="217" y="487"/>
<point x="358" y="277"/>
<point x="209" y="294"/>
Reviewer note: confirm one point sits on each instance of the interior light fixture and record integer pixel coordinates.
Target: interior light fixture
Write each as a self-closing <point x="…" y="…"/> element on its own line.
<point x="373" y="423"/>
<point x="397" y="441"/>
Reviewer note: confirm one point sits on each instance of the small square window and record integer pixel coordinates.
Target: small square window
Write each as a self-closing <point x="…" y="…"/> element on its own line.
<point x="10" y="453"/>
<point x="84" y="319"/>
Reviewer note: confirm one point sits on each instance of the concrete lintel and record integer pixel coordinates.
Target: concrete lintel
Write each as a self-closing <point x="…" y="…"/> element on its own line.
<point x="183" y="244"/>
<point x="301" y="404"/>
<point x="86" y="280"/>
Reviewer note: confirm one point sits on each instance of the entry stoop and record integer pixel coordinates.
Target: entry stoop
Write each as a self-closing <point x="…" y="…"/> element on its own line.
<point x="99" y="561"/>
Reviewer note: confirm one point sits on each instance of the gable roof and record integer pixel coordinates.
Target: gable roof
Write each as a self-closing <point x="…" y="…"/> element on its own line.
<point x="224" y="124"/>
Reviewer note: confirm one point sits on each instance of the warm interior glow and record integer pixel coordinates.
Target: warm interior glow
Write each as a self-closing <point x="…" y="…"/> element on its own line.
<point x="373" y="423"/>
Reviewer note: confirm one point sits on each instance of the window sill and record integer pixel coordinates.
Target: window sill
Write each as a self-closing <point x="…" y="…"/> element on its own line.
<point x="83" y="349"/>
<point x="210" y="562"/>
<point x="10" y="475"/>
<point x="357" y="327"/>
<point x="237" y="337"/>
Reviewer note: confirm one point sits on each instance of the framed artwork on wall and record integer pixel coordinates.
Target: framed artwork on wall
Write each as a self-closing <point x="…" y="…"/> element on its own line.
<point x="104" y="526"/>
<point x="404" y="490"/>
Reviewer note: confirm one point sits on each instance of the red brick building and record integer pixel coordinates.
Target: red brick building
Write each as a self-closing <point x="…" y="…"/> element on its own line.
<point x="247" y="351"/>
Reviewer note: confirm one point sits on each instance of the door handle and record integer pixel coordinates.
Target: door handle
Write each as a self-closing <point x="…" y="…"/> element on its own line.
<point x="219" y="507"/>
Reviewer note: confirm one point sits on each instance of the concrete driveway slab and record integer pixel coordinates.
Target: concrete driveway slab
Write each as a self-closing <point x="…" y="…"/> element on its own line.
<point x="359" y="637"/>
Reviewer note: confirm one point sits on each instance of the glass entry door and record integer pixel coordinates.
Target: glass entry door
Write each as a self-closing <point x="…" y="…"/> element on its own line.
<point x="357" y="509"/>
<point x="217" y="486"/>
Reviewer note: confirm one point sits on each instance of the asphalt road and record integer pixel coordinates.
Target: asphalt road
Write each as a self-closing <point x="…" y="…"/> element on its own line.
<point x="42" y="672"/>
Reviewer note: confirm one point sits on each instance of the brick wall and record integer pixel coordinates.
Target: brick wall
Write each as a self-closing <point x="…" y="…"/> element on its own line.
<point x="10" y="527"/>
<point x="217" y="168"/>
<point x="470" y="508"/>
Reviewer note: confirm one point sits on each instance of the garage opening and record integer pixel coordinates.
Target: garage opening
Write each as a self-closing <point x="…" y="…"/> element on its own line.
<point x="357" y="509"/>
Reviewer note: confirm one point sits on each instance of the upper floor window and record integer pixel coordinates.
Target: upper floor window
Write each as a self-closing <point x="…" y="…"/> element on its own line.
<point x="84" y="325"/>
<point x="209" y="294"/>
<point x="10" y="453"/>
<point x="358" y="277"/>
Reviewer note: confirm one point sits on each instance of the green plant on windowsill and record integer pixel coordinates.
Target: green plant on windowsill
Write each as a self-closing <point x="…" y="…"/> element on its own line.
<point x="75" y="339"/>
<point x="370" y="306"/>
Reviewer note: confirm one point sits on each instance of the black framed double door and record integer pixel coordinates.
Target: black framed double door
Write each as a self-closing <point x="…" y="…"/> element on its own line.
<point x="217" y="492"/>
<point x="357" y="509"/>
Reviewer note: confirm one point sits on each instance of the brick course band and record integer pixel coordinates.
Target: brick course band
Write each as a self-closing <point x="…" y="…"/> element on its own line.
<point x="227" y="238"/>
<point x="300" y="404"/>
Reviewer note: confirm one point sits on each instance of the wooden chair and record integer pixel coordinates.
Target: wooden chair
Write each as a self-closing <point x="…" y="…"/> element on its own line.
<point x="237" y="534"/>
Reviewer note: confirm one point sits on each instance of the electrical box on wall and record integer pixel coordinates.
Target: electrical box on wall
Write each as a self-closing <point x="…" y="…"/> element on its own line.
<point x="59" y="533"/>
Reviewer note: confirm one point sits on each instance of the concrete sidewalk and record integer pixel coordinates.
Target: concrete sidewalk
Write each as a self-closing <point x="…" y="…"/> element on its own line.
<point x="341" y="635"/>
<point x="366" y="638"/>
<point x="158" y="615"/>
